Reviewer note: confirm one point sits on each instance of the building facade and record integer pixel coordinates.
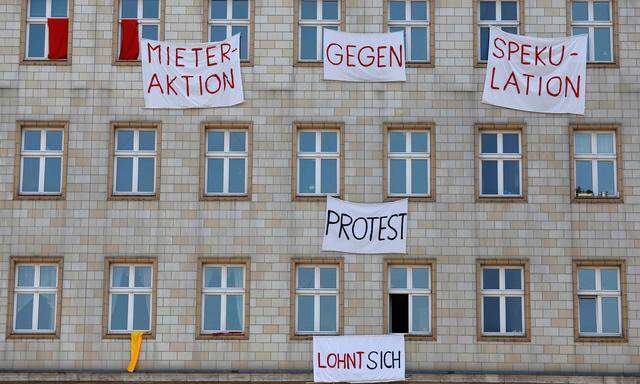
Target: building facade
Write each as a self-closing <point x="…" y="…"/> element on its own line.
<point x="204" y="227"/>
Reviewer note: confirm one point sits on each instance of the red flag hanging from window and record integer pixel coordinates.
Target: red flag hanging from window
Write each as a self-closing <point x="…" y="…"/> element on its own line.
<point x="58" y="38"/>
<point x="129" y="45"/>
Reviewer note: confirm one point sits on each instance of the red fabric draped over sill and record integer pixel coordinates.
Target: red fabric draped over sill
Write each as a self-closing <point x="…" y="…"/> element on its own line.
<point x="129" y="44"/>
<point x="58" y="38"/>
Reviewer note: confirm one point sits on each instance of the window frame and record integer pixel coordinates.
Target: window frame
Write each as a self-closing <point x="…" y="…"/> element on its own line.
<point x="336" y="262"/>
<point x="430" y="24"/>
<point x="14" y="261"/>
<point x="228" y="127"/>
<point x="24" y="125"/>
<point x="614" y="24"/>
<point x="109" y="262"/>
<point x="501" y="128"/>
<point x="298" y="23"/>
<point x="596" y="128"/>
<point x="24" y="38"/>
<point x="250" y="23"/>
<point x="477" y="24"/>
<point x="115" y="60"/>
<point x="300" y="126"/>
<point x="431" y="157"/>
<point x="502" y="264"/>
<point x="431" y="264"/>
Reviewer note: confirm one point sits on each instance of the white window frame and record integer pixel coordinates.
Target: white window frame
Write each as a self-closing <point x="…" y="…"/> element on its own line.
<point x="408" y="24"/>
<point x="591" y="24"/>
<point x="230" y="22"/>
<point x="498" y="22"/>
<point x="136" y="154"/>
<point x="502" y="293"/>
<point x="40" y="20"/>
<point x="599" y="294"/>
<point x="141" y="21"/>
<point x="500" y="157"/>
<point x="594" y="157"/>
<point x="318" y="157"/>
<point x="130" y="291"/>
<point x="320" y="24"/>
<point x="411" y="292"/>
<point x="35" y="290"/>
<point x="408" y="156"/>
<point x="316" y="293"/>
<point x="226" y="155"/>
<point x="42" y="154"/>
<point x="223" y="291"/>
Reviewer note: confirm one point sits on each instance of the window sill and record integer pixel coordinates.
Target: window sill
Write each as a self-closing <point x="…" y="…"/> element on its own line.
<point x="603" y="65"/>
<point x="310" y="336"/>
<point x="507" y="338"/>
<point x="32" y="335"/>
<point x="315" y="197"/>
<point x="125" y="63"/>
<point x="480" y="64"/>
<point x="39" y="197"/>
<point x="66" y="61"/>
<point x="225" y="197"/>
<point x="303" y="64"/>
<point x="222" y="336"/>
<point x="411" y="198"/>
<point x="127" y="335"/>
<point x="597" y="199"/>
<point x="410" y="64"/>
<point x="153" y="197"/>
<point x="419" y="337"/>
<point x="601" y="339"/>
<point x="501" y="199"/>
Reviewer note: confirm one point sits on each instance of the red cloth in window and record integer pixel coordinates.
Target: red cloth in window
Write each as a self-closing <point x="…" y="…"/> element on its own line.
<point x="129" y="45"/>
<point x="58" y="38"/>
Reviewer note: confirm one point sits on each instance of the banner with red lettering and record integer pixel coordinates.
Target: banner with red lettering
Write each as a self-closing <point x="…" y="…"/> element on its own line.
<point x="191" y="75"/>
<point x="358" y="359"/>
<point x="363" y="56"/>
<point x="536" y="74"/>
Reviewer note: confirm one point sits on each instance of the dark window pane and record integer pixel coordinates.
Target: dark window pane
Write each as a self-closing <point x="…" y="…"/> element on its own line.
<point x="308" y="43"/>
<point x="420" y="278"/>
<point x="48" y="276"/>
<point x="583" y="143"/>
<point x="513" y="30"/>
<point x="484" y="43"/>
<point x="509" y="10"/>
<point x="580" y="11"/>
<point x="218" y="9"/>
<point x="150" y="32"/>
<point x="418" y="10"/>
<point x="491" y="313"/>
<point x="235" y="277"/>
<point x="397" y="142"/>
<point x="399" y="313"/>
<point x="586" y="279"/>
<point x="218" y="33"/>
<point x="120" y="276"/>
<point x="32" y="140"/>
<point x="234" y="312"/>
<point x="236" y="176"/>
<point x="46" y="311"/>
<point x="398" y="277"/>
<point x="150" y="9"/>
<point x="306" y="277"/>
<point x="124" y="174"/>
<point x="329" y="176"/>
<point x="510" y="143"/>
<point x="489" y="143"/>
<point x="38" y="8"/>
<point x="489" y="177"/>
<point x="583" y="31"/>
<point x="52" y="174"/>
<point x="58" y="8"/>
<point x="398" y="176"/>
<point x="419" y="44"/>
<point x="490" y="278"/>
<point x="420" y="313"/>
<point x="514" y="314"/>
<point x="420" y="177"/>
<point x="583" y="175"/>
<point x="240" y="9"/>
<point x="24" y="311"/>
<point x="54" y="140"/>
<point x="30" y="174"/>
<point x="215" y="141"/>
<point x="487" y="10"/>
<point x="243" y="31"/>
<point x="330" y="10"/>
<point x="308" y="9"/>
<point x="513" y="278"/>
<point x="605" y="143"/>
<point x="142" y="276"/>
<point x="307" y="141"/>
<point x="601" y="11"/>
<point x="606" y="177"/>
<point x="609" y="279"/>
<point x="328" y="313"/>
<point x="147" y="141"/>
<point x="213" y="277"/>
<point x="141" y="312"/>
<point x="305" y="313"/>
<point x="215" y="169"/>
<point x="146" y="173"/>
<point x="119" y="312"/>
<point x="610" y="315"/>
<point x="419" y="142"/>
<point x="587" y="314"/>
<point x="26" y="276"/>
<point x="211" y="318"/>
<point x="602" y="44"/>
<point x="397" y="10"/>
<point x="307" y="176"/>
<point x="237" y="141"/>
<point x="129" y="9"/>
<point x="511" y="173"/>
<point x="36" y="40"/>
<point x="328" y="142"/>
<point x="328" y="278"/>
<point x="124" y="140"/>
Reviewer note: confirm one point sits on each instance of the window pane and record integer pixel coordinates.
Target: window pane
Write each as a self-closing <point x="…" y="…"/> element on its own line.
<point x="419" y="142"/>
<point x="511" y="173"/>
<point x="586" y="279"/>
<point x="307" y="141"/>
<point x="308" y="43"/>
<point x="120" y="276"/>
<point x="484" y="43"/>
<point x="213" y="277"/>
<point x="328" y="278"/>
<point x="404" y="36"/>
<point x="240" y="9"/>
<point x="329" y="176"/>
<point x="398" y="176"/>
<point x="215" y="170"/>
<point x="237" y="141"/>
<point x="610" y="316"/>
<point x="142" y="276"/>
<point x="36" y="40"/>
<point x="419" y="44"/>
<point x="489" y="143"/>
<point x="420" y="177"/>
<point x="141" y="312"/>
<point x="38" y="8"/>
<point x="119" y="312"/>
<point x="491" y="313"/>
<point x="32" y="140"/>
<point x="124" y="140"/>
<point x="397" y="142"/>
<point x="583" y="175"/>
<point x="306" y="277"/>
<point x="308" y="9"/>
<point x="243" y="31"/>
<point x="305" y="313"/>
<point x="328" y="313"/>
<point x="418" y="10"/>
<point x="487" y="10"/>
<point x="307" y="176"/>
<point x="30" y="174"/>
<point x="26" y="275"/>
<point x="490" y="278"/>
<point x="609" y="279"/>
<point x="399" y="313"/>
<point x="150" y="9"/>
<point x="513" y="30"/>
<point x="52" y="174"/>
<point x="215" y="141"/>
<point x="420" y="311"/>
<point x="211" y="317"/>
<point x="48" y="276"/>
<point x="584" y="31"/>
<point x="398" y="277"/>
<point x="583" y="142"/>
<point x="397" y="10"/>
<point x="513" y="278"/>
<point x="129" y="9"/>
<point x="46" y="311"/>
<point x="24" y="311"/>
<point x="606" y="177"/>
<point x="420" y="278"/>
<point x="146" y="173"/>
<point x="218" y="32"/>
<point x="235" y="277"/>
<point x="234" y="312"/>
<point x="587" y="314"/>
<point x="236" y="176"/>
<point x="605" y="143"/>
<point x="510" y="143"/>
<point x="218" y="9"/>
<point x="489" y="177"/>
<point x="330" y="10"/>
<point x="579" y="11"/>
<point x="328" y="141"/>
<point x="601" y="11"/>
<point x="514" y="314"/>
<point x="509" y="10"/>
<point x="147" y="140"/>
<point x="54" y="140"/>
<point x="602" y="44"/>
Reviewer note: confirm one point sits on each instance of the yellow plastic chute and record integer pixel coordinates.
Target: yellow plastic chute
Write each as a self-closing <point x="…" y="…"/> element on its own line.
<point x="136" y="345"/>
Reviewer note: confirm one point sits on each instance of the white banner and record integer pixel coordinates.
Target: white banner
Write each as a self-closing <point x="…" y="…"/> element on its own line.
<point x="365" y="228"/>
<point x="535" y="74"/>
<point x="363" y="56"/>
<point x="191" y="75"/>
<point x="353" y="359"/>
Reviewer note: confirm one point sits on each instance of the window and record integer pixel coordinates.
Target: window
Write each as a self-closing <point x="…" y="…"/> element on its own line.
<point x="414" y="19"/>
<point x="135" y="160"/>
<point x="503" y="300"/>
<point x="223" y="298"/>
<point x="131" y="305"/>
<point x="231" y="17"/>
<point x="595" y="163"/>
<point x="505" y="14"/>
<point x="318" y="156"/>
<point x="41" y="160"/>
<point x="409" y="169"/>
<point x="226" y="164"/>
<point x="34" y="297"/>
<point x="501" y="172"/>
<point x="47" y="30"/>
<point x="410" y="296"/>
<point x="595" y="18"/>
<point x="313" y="16"/>
<point x="599" y="301"/>
<point x="318" y="299"/>
<point x="137" y="19"/>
